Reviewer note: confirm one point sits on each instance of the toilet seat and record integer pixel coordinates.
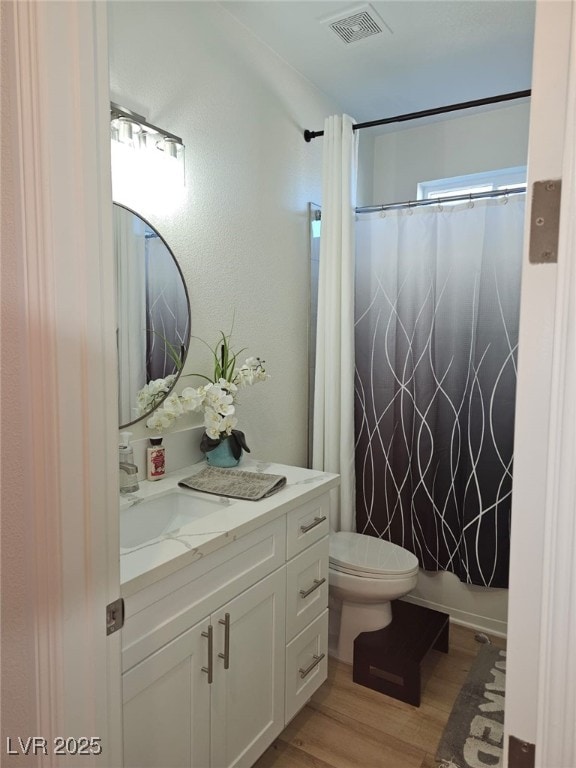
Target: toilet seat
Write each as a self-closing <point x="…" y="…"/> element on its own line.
<point x="366" y="556"/>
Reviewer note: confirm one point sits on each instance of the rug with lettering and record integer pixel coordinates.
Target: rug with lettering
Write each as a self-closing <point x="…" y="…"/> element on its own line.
<point x="474" y="734"/>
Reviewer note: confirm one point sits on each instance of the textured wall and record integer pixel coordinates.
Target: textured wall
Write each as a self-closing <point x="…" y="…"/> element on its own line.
<point x="240" y="233"/>
<point x="458" y="145"/>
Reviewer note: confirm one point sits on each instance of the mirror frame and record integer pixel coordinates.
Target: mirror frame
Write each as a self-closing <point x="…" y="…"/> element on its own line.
<point x="175" y="260"/>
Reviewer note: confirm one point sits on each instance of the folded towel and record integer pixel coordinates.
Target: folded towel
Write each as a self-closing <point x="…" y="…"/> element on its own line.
<point x="235" y="483"/>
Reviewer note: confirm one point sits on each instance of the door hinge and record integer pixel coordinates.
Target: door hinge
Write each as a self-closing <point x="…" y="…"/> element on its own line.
<point x="545" y="221"/>
<point x="521" y="754"/>
<point x="115" y="616"/>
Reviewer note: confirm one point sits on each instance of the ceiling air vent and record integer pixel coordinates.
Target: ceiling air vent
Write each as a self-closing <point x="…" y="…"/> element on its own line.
<point x="357" y="24"/>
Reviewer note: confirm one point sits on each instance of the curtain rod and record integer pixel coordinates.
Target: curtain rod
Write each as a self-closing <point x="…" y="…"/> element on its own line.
<point x="309" y="135"/>
<point x="442" y="200"/>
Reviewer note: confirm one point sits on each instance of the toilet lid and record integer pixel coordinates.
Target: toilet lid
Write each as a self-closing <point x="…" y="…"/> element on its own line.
<point x="356" y="552"/>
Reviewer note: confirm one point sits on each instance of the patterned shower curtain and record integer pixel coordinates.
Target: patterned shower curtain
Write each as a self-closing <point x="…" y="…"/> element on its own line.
<point x="437" y="308"/>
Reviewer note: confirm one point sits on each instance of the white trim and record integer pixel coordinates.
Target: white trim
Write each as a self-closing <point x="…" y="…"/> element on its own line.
<point x="43" y="492"/>
<point x="541" y="621"/>
<point x="463" y="618"/>
<point x="556" y="735"/>
<point x="453" y="185"/>
<point x="60" y="53"/>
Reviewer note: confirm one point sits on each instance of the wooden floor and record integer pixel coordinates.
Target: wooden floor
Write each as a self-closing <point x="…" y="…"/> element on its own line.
<point x="346" y="725"/>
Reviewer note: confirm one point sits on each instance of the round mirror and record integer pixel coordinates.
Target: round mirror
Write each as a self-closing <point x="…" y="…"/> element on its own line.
<point x="153" y="316"/>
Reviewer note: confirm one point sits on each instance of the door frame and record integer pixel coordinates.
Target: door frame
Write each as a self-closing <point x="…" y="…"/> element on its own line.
<point x="556" y="736"/>
<point x="541" y="669"/>
<point x="59" y="189"/>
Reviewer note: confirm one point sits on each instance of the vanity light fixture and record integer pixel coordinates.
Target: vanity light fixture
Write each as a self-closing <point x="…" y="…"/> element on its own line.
<point x="146" y="160"/>
<point x="126" y="124"/>
<point x="132" y="129"/>
<point x="126" y="130"/>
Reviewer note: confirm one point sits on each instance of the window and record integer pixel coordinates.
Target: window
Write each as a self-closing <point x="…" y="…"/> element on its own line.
<point x="504" y="178"/>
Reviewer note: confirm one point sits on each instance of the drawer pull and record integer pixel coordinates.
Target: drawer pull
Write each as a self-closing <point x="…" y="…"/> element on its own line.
<point x="313" y="524"/>
<point x="210" y="668"/>
<point x="226" y="655"/>
<point x="317" y="660"/>
<point x="317" y="583"/>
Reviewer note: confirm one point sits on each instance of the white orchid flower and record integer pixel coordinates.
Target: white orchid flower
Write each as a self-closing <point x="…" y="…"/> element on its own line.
<point x="228" y="424"/>
<point x="216" y="398"/>
<point x="219" y="399"/>
<point x="173" y="405"/>
<point x="229" y="386"/>
<point x="213" y="423"/>
<point x="157" y="386"/>
<point x="193" y="399"/>
<point x="160" y="420"/>
<point x="251" y="372"/>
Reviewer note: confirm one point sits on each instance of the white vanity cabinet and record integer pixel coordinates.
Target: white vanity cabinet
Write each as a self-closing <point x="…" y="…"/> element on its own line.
<point x="247" y="709"/>
<point x="166" y="707"/>
<point x="306" y="602"/>
<point x="214" y="695"/>
<point x="220" y="654"/>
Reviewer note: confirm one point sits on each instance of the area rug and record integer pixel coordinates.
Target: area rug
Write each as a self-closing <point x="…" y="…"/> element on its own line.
<point x="474" y="734"/>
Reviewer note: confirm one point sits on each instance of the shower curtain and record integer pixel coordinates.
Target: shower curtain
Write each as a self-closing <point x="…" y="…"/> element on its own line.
<point x="436" y="330"/>
<point x="333" y="416"/>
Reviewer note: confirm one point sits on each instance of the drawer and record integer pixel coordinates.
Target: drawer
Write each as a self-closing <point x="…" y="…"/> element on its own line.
<point x="306" y="587"/>
<point x="307" y="524"/>
<point x="306" y="664"/>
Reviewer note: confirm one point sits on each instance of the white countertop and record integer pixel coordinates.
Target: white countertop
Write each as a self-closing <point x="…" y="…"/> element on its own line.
<point x="145" y="563"/>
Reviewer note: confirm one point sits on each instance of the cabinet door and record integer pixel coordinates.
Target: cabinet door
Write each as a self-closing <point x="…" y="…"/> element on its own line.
<point x="248" y="697"/>
<point x="167" y="705"/>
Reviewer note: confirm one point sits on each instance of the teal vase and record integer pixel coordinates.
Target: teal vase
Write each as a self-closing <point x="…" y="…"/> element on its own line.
<point x="222" y="455"/>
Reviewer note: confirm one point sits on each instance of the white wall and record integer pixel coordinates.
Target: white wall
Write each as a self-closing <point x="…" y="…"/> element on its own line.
<point x="240" y="233"/>
<point x="366" y="168"/>
<point x="457" y="145"/>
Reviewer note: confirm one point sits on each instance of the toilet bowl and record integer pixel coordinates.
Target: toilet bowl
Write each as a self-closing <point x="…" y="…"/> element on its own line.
<point x="365" y="574"/>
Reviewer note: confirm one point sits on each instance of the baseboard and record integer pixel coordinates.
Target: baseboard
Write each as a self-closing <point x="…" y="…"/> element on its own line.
<point x="465" y="619"/>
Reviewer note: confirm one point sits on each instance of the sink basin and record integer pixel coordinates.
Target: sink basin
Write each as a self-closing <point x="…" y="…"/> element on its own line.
<point x="163" y="514"/>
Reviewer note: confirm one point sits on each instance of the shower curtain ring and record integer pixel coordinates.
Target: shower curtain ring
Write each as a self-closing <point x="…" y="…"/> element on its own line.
<point x="470" y="201"/>
<point x="409" y="212"/>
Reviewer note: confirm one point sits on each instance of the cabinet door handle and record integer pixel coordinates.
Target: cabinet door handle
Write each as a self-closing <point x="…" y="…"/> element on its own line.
<point x="226" y="655"/>
<point x="210" y="668"/>
<point x="317" y="583"/>
<point x="313" y="524"/>
<point x="317" y="660"/>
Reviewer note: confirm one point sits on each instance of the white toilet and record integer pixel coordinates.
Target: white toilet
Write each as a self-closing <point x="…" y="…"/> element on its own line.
<point x="365" y="574"/>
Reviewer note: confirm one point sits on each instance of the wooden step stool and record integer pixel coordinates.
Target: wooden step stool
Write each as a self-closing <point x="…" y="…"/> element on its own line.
<point x="388" y="660"/>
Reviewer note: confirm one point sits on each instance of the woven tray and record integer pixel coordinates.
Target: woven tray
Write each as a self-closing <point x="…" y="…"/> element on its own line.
<point x="236" y="483"/>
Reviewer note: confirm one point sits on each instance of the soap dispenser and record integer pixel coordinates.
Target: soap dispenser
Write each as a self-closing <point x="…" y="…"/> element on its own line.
<point x="156" y="459"/>
<point x="128" y="469"/>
